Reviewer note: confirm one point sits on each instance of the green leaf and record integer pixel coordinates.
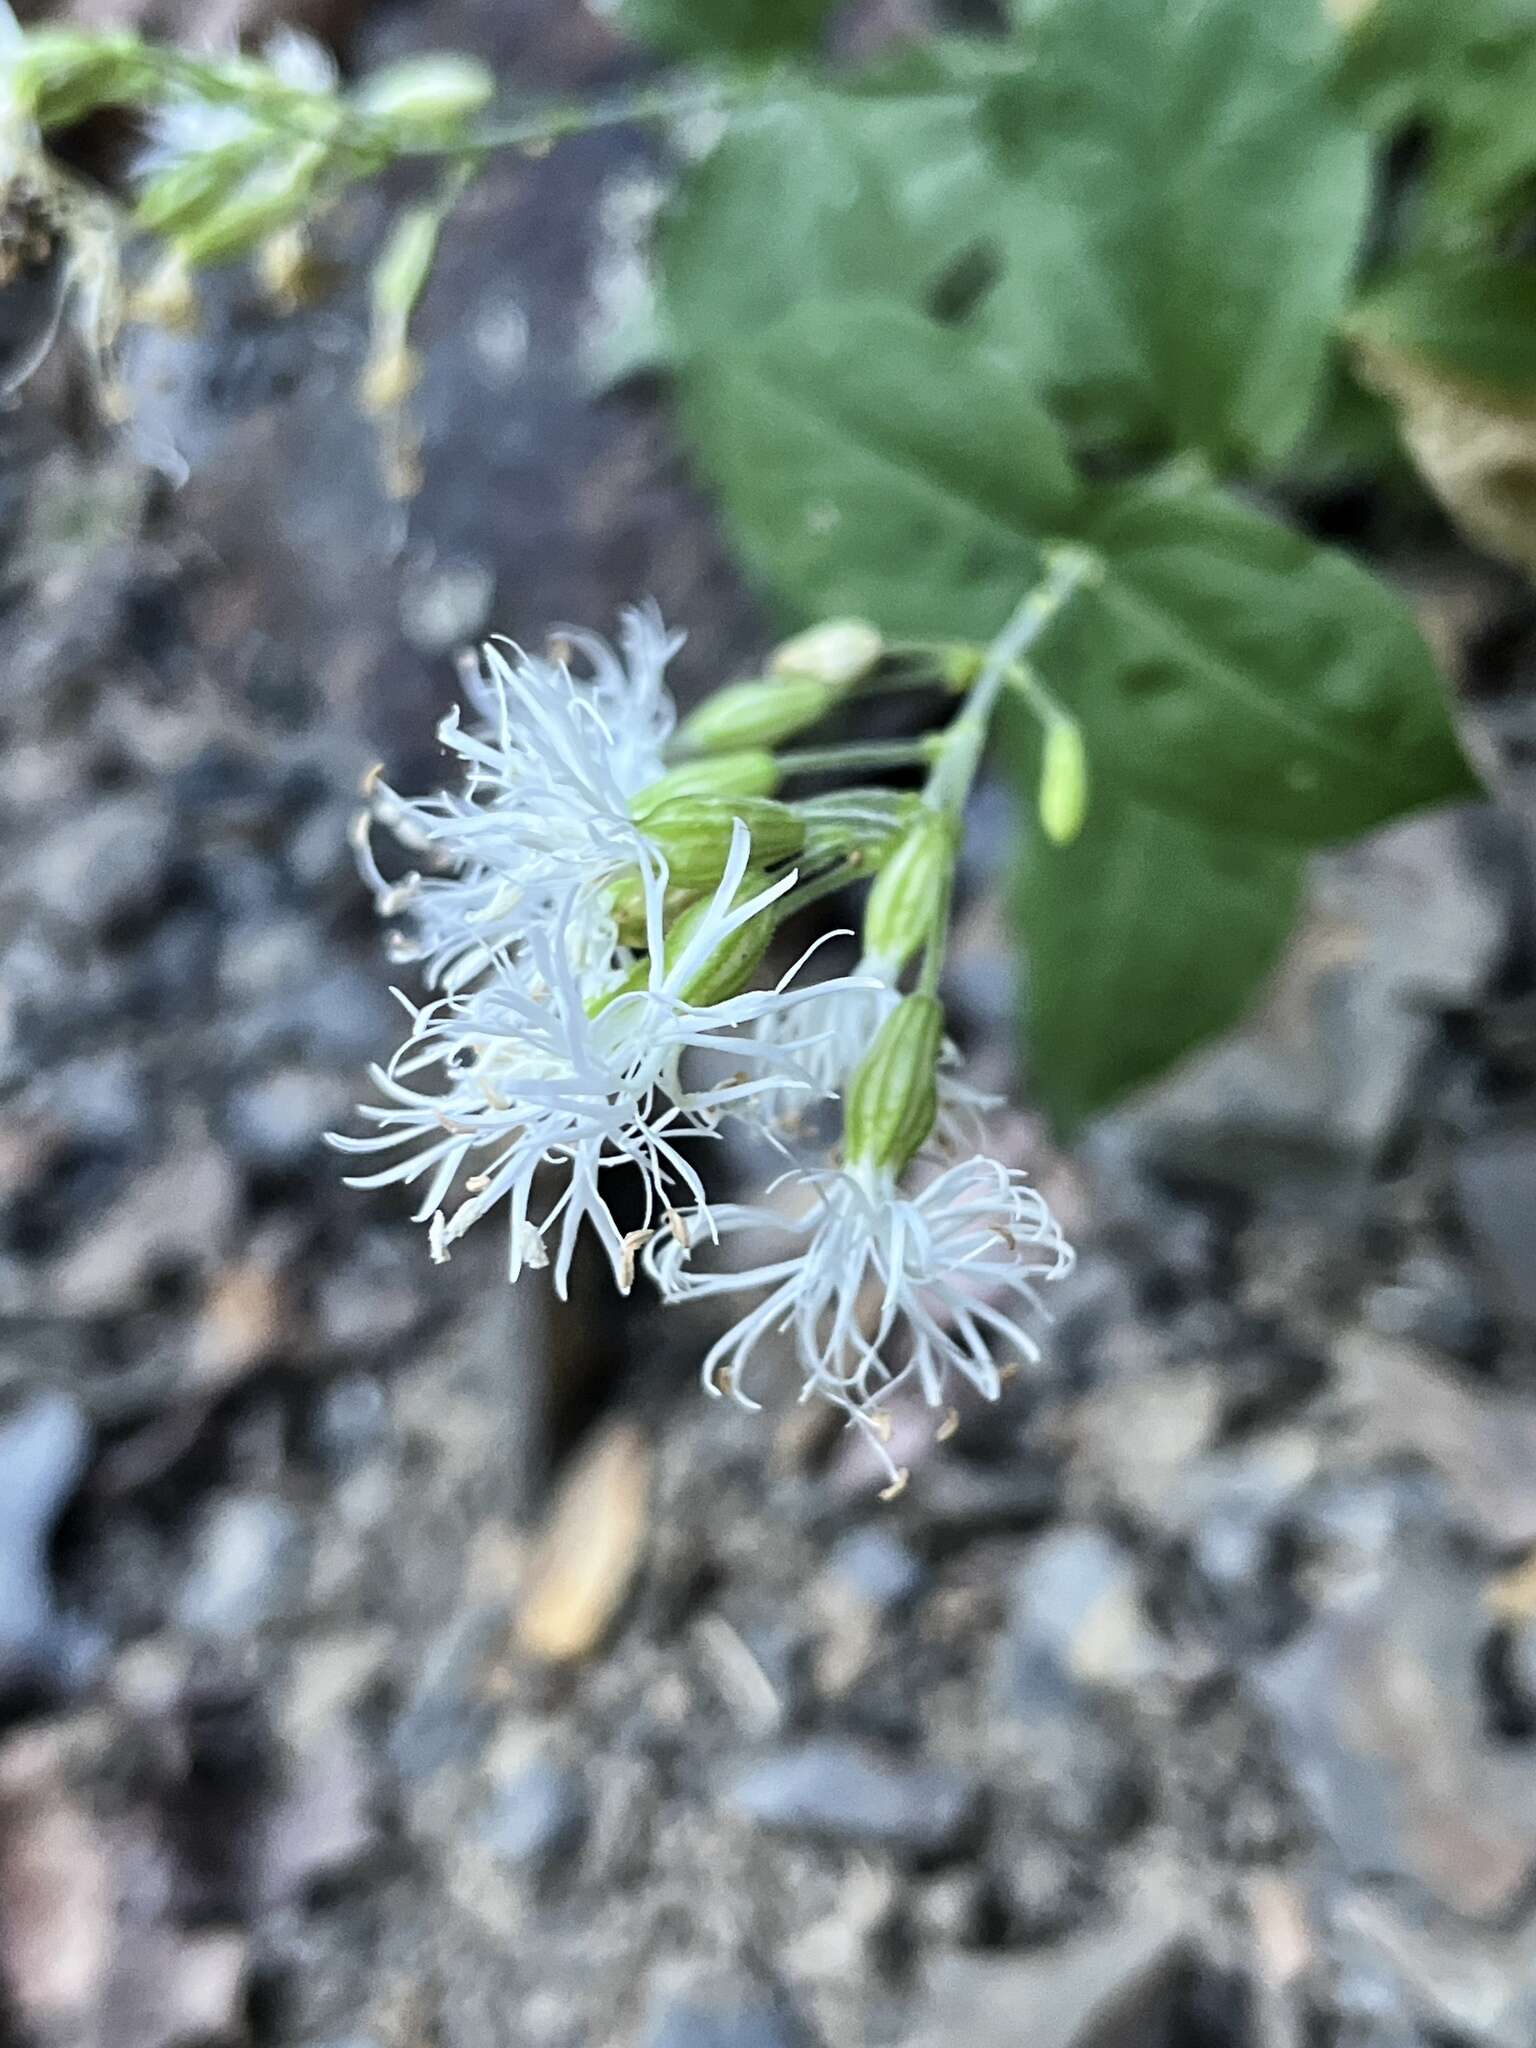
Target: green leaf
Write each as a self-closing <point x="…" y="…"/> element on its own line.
<point x="1465" y="73"/>
<point x="1400" y="60"/>
<point x="884" y="187"/>
<point x="1239" y="676"/>
<point x="1244" y="678"/>
<point x="1472" y="315"/>
<point x="742" y="28"/>
<point x="872" y="463"/>
<point x="1141" y="938"/>
<point x="1188" y="205"/>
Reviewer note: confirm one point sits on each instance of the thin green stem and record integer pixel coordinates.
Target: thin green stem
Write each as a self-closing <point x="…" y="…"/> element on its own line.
<point x="964" y="740"/>
<point x="859" y="755"/>
<point x="544" y="126"/>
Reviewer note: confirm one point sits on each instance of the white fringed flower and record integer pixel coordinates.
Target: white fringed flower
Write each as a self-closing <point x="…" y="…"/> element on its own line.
<point x="842" y="1019"/>
<point x="938" y="1278"/>
<point x="550" y="764"/>
<point x="534" y="1070"/>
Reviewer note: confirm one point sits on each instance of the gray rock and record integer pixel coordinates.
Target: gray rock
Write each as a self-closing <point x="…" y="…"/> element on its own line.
<point x="1076" y="1621"/>
<point x="105" y="864"/>
<point x="1400" y="925"/>
<point x="1480" y="1440"/>
<point x="1476" y="1985"/>
<point x="1378" y="1708"/>
<point x="246" y="1569"/>
<point x="534" y="1819"/>
<point x="43" y="1450"/>
<point x="877" y="1568"/>
<point x="843" y="1791"/>
<point x="1117" y="1986"/>
<point x="101" y="1101"/>
<point x="1496" y="1186"/>
<point x="280" y="1121"/>
<point x="757" y="2023"/>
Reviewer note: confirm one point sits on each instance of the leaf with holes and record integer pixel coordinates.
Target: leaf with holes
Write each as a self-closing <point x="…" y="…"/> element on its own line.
<point x="1187" y="201"/>
<point x="884" y="187"/>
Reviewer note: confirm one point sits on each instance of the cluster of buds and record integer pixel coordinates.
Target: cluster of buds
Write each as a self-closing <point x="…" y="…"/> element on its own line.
<point x="240" y="156"/>
<point x="591" y="907"/>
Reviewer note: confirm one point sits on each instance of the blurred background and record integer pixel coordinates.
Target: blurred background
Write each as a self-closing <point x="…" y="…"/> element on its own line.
<point x="389" y="1659"/>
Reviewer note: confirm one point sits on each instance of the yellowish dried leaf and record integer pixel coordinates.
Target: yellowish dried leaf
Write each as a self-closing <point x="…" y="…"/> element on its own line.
<point x="1475" y="447"/>
<point x="589" y="1551"/>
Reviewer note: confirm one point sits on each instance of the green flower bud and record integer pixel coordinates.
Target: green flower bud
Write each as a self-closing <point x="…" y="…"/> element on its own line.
<point x="1063" y="796"/>
<point x="757" y="714"/>
<point x="175" y="199"/>
<point x="862" y="825"/>
<point x="277" y="194"/>
<point x="435" y="90"/>
<point x="840" y="652"/>
<point x="694" y="833"/>
<point x="736" y="959"/>
<point x="626" y="899"/>
<point x="749" y="773"/>
<point x="911" y="891"/>
<point x="893" y="1093"/>
<point x="404" y="264"/>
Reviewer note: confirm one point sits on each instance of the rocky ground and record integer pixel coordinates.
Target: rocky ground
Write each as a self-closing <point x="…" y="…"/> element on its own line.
<point x="388" y="1659"/>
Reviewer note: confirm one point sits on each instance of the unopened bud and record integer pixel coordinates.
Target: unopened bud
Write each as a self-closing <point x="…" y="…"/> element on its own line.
<point x="911" y="891"/>
<point x="260" y="207"/>
<point x="749" y="773"/>
<point x="1063" y="795"/>
<point x="893" y="1093"/>
<point x="757" y="714"/>
<point x="428" y="91"/>
<point x="404" y="264"/>
<point x="839" y="651"/>
<point x="694" y="835"/>
<point x="735" y="960"/>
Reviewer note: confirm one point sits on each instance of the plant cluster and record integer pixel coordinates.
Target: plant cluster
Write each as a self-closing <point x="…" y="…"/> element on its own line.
<point x="1005" y="357"/>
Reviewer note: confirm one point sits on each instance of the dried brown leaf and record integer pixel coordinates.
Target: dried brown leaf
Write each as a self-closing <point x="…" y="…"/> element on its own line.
<point x="589" y="1550"/>
<point x="1474" y="446"/>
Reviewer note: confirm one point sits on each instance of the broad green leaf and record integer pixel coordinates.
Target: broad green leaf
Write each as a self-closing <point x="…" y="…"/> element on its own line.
<point x="743" y="28"/>
<point x="1466" y="74"/>
<point x="1140" y="939"/>
<point x="1471" y="315"/>
<point x="1240" y="676"/>
<point x="1188" y="205"/>
<point x="874" y="464"/>
<point x="1402" y="60"/>
<point x="883" y="187"/>
<point x="1236" y="674"/>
